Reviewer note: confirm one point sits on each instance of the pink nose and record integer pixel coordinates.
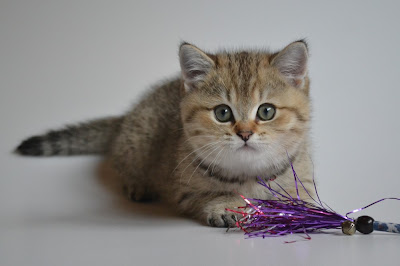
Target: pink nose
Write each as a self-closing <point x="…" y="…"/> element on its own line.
<point x="245" y="135"/>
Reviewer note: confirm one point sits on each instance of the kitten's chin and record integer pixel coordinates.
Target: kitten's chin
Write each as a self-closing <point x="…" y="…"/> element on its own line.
<point x="246" y="160"/>
<point x="248" y="148"/>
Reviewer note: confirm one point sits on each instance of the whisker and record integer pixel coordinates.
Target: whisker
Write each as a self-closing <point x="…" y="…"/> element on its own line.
<point x="195" y="158"/>
<point x="206" y="149"/>
<point x="214" y="160"/>
<point x="200" y="164"/>
<point x="215" y="164"/>
<point x="208" y="144"/>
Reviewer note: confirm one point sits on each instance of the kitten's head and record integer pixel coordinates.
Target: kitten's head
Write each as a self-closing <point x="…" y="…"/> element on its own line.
<point x="245" y="111"/>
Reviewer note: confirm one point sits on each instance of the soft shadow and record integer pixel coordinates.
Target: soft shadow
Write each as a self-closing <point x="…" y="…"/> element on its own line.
<point x="110" y="180"/>
<point x="122" y="212"/>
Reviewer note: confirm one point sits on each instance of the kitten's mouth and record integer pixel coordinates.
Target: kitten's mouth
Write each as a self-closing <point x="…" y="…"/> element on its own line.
<point x="247" y="147"/>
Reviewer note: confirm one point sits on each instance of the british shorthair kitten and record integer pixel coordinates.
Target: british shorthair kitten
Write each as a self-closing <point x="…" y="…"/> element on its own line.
<point x="200" y="140"/>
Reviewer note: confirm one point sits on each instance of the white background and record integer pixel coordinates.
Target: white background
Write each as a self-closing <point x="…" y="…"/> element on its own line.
<point x="67" y="61"/>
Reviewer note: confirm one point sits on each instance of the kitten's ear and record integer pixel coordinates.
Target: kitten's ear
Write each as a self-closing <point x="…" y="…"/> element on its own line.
<point x="292" y="63"/>
<point x="195" y="65"/>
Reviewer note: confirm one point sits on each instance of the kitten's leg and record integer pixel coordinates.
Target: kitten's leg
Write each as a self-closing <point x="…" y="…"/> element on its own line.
<point x="135" y="184"/>
<point x="215" y="212"/>
<point x="138" y="148"/>
<point x="211" y="208"/>
<point x="131" y="165"/>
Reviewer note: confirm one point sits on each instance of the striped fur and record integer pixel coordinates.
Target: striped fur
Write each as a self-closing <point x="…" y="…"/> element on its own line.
<point x="91" y="137"/>
<point x="171" y="146"/>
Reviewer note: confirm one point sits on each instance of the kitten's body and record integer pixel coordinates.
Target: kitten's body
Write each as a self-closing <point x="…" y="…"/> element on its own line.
<point x="172" y="146"/>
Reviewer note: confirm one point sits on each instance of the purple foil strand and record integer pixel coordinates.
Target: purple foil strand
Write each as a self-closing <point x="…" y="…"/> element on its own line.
<point x="360" y="209"/>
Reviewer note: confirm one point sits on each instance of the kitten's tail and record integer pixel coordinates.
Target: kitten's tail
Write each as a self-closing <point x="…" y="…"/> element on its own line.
<point x="87" y="138"/>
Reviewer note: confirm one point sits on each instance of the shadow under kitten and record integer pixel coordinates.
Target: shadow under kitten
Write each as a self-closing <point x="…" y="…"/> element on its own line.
<point x="109" y="179"/>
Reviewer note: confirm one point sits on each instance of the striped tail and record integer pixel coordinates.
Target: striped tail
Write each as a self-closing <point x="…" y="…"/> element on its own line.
<point x="87" y="138"/>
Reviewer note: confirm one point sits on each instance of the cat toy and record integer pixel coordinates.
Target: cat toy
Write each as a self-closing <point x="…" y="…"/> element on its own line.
<point x="285" y="215"/>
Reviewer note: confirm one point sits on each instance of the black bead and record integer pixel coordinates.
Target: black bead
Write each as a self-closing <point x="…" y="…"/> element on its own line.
<point x="365" y="224"/>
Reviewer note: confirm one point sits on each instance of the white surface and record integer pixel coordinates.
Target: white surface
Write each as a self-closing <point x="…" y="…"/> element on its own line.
<point x="75" y="60"/>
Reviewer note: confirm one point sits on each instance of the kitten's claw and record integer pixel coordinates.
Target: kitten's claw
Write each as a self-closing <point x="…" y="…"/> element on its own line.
<point x="211" y="222"/>
<point x="226" y="221"/>
<point x="217" y="212"/>
<point x="222" y="220"/>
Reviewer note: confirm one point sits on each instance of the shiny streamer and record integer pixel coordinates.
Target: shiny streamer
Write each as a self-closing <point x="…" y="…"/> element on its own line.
<point x="285" y="214"/>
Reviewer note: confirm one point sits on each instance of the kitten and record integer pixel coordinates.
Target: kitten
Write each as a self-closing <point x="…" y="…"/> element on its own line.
<point x="200" y="140"/>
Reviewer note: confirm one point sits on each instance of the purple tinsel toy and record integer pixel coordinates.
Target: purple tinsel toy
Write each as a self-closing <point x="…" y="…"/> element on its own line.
<point x="287" y="215"/>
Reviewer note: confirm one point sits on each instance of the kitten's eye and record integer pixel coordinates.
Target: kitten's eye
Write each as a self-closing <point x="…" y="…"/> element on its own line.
<point x="266" y="112"/>
<point x="223" y="113"/>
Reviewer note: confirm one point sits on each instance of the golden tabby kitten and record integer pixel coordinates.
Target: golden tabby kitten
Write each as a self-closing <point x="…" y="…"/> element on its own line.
<point x="200" y="140"/>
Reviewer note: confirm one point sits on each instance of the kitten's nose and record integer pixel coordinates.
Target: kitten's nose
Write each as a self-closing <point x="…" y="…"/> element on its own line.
<point x="245" y="135"/>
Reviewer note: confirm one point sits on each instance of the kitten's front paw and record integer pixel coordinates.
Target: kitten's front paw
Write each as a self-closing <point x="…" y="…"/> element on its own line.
<point x="227" y="219"/>
<point x="218" y="216"/>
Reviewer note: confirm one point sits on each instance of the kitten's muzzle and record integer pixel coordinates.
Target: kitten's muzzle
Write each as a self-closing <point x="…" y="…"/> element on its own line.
<point x="245" y="135"/>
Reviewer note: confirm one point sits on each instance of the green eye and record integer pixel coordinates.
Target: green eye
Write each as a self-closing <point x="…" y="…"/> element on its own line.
<point x="223" y="113"/>
<point x="266" y="112"/>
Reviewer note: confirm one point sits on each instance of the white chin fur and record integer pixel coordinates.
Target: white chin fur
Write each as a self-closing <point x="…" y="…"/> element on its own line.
<point x="247" y="161"/>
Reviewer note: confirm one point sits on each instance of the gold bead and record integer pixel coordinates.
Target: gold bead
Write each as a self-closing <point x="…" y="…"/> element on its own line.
<point x="348" y="228"/>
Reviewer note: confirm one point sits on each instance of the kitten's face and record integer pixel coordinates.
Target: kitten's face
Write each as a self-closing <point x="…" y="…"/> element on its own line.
<point x="244" y="116"/>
